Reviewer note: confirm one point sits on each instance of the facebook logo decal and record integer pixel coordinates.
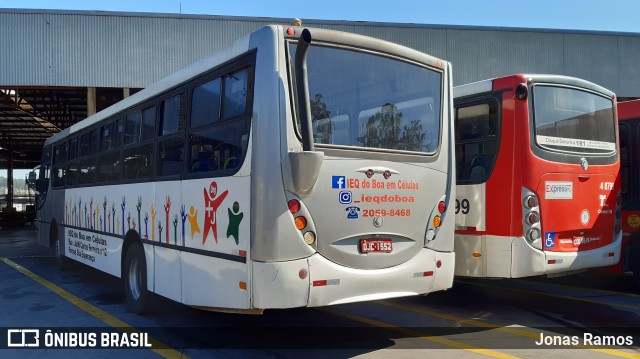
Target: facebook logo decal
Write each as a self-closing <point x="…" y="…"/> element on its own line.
<point x="338" y="182"/>
<point x="549" y="239"/>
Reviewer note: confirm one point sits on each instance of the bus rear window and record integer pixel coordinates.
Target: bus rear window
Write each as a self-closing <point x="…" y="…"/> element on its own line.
<point x="571" y="120"/>
<point x="364" y="100"/>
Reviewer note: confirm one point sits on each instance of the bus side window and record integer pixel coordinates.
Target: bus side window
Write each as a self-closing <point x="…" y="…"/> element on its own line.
<point x="171" y="141"/>
<point x="60" y="154"/>
<point x="132" y="127"/>
<point x="235" y="94"/>
<point x="138" y="162"/>
<point x="42" y="178"/>
<point x="217" y="141"/>
<point x="476" y="141"/>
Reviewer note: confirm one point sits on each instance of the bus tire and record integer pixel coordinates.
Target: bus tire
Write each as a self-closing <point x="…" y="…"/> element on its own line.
<point x="135" y="279"/>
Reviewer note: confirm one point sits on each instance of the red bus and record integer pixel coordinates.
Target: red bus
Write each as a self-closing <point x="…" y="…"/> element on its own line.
<point x="537" y="177"/>
<point x="629" y="127"/>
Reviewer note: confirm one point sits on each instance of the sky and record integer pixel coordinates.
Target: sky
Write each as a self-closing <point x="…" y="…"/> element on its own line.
<point x="602" y="15"/>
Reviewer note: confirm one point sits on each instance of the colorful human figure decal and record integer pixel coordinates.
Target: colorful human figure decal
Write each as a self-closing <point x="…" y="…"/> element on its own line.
<point x="183" y="216"/>
<point x="235" y="217"/>
<point x="153" y="220"/>
<point x="175" y="230"/>
<point x="139" y="207"/>
<point x="90" y="225"/>
<point x="211" y="204"/>
<point x="123" y="205"/>
<point x="113" y="223"/>
<point x="167" y="208"/>
<point x="104" y="214"/>
<point x="146" y="225"/>
<point x="193" y="221"/>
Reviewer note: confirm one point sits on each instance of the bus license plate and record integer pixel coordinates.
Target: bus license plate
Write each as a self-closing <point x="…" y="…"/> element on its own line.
<point x="376" y="246"/>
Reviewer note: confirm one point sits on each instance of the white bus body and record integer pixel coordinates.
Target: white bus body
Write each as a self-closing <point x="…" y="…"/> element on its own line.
<point x="210" y="209"/>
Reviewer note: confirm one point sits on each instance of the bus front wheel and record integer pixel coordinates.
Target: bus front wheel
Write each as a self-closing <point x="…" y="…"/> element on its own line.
<point x="135" y="279"/>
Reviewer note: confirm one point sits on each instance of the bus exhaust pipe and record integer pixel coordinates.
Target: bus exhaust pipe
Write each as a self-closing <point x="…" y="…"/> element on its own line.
<point x="305" y="165"/>
<point x="302" y="89"/>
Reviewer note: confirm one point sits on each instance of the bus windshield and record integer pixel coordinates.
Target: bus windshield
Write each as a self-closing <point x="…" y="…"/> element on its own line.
<point x="359" y="99"/>
<point x="571" y="120"/>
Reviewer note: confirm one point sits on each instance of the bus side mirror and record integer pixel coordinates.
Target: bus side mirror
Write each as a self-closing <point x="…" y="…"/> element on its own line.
<point x="305" y="168"/>
<point x="31" y="180"/>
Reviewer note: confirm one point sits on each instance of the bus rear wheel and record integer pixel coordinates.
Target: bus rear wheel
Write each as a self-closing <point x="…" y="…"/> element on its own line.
<point x="135" y="279"/>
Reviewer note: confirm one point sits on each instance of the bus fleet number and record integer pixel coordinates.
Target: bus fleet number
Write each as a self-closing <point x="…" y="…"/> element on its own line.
<point x="462" y="206"/>
<point x="606" y="186"/>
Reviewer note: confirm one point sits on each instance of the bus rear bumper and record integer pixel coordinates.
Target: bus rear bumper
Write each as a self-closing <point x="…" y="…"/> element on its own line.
<point x="279" y="284"/>
<point x="513" y="257"/>
<point x="528" y="261"/>
<point x="336" y="284"/>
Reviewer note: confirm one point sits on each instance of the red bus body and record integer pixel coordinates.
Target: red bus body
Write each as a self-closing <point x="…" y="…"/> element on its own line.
<point x="629" y="127"/>
<point x="537" y="182"/>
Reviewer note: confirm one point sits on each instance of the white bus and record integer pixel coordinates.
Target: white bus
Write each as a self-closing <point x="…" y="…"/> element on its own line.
<point x="297" y="167"/>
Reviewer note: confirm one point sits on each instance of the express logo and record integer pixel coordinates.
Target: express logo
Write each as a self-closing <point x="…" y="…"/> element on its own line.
<point x="345" y="197"/>
<point x="558" y="190"/>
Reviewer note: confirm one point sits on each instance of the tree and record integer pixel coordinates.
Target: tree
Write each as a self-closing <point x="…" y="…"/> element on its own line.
<point x="322" y="124"/>
<point x="383" y="131"/>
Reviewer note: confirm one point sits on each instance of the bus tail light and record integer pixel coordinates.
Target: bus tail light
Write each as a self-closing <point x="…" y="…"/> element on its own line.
<point x="309" y="237"/>
<point x="303" y="273"/>
<point x="533" y="234"/>
<point x="435" y="220"/>
<point x="301" y="222"/>
<point x="531" y="225"/>
<point x="431" y="234"/>
<point x="294" y="206"/>
<point x="533" y="218"/>
<point x="530" y="202"/>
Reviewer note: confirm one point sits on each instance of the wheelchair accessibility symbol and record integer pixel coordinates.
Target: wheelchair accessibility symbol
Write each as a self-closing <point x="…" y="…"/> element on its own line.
<point x="549" y="239"/>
